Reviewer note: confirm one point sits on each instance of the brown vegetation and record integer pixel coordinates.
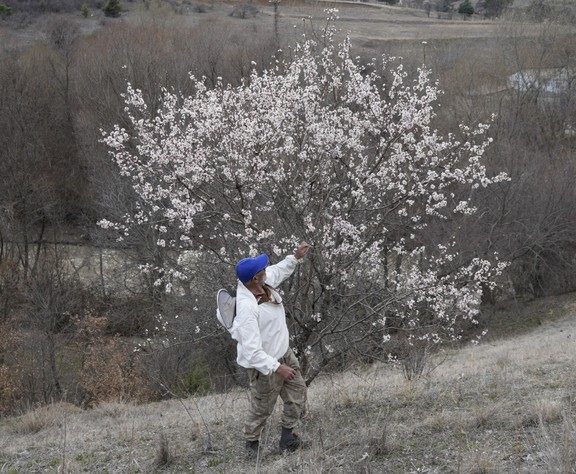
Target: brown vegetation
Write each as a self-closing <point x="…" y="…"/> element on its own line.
<point x="506" y="405"/>
<point x="66" y="338"/>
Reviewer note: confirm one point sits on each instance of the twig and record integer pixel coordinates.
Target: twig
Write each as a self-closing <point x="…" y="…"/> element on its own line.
<point x="208" y="446"/>
<point x="64" y="426"/>
<point x="131" y="458"/>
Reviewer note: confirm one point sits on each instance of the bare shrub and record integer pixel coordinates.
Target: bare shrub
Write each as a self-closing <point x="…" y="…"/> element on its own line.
<point x="380" y="444"/>
<point x="52" y="301"/>
<point x="129" y="317"/>
<point x="244" y="10"/>
<point x="185" y="366"/>
<point x="36" y="368"/>
<point x="199" y="8"/>
<point x="414" y="360"/>
<point x="34" y="349"/>
<point x="112" y="370"/>
<point x="528" y="219"/>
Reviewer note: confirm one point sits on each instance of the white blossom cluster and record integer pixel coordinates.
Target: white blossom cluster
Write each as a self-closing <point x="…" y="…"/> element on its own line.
<point x="321" y="148"/>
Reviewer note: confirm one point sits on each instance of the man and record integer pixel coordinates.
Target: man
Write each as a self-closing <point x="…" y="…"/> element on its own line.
<point x="263" y="347"/>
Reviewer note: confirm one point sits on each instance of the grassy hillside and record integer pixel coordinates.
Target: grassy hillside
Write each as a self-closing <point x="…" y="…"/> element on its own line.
<point x="363" y="21"/>
<point x="506" y="405"/>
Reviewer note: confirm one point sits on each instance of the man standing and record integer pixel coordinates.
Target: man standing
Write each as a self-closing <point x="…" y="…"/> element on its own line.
<point x="263" y="347"/>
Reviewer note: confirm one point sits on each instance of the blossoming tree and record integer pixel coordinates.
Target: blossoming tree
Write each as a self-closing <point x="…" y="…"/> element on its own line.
<point x="325" y="149"/>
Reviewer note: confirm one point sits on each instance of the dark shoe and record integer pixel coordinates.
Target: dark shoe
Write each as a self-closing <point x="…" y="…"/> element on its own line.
<point x="291" y="442"/>
<point x="252" y="448"/>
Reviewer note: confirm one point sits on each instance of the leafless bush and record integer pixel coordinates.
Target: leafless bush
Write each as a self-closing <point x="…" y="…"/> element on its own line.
<point x="36" y="334"/>
<point x="199" y="8"/>
<point x="414" y="362"/>
<point x="129" y="317"/>
<point x="244" y="10"/>
<point x="112" y="370"/>
<point x="380" y="445"/>
<point x="528" y="220"/>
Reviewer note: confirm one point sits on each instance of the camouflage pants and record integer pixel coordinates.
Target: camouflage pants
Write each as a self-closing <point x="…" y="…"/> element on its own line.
<point x="264" y="391"/>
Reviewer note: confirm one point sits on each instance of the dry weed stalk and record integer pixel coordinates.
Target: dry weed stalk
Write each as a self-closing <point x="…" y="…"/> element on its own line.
<point x="379" y="444"/>
<point x="132" y="431"/>
<point x="64" y="435"/>
<point x="163" y="453"/>
<point x="11" y="367"/>
<point x="208" y="447"/>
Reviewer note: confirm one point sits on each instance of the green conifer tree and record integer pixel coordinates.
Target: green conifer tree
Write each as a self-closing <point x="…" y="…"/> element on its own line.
<point x="112" y="8"/>
<point x="466" y="8"/>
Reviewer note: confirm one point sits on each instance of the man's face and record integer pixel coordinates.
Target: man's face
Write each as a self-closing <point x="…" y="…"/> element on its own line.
<point x="261" y="276"/>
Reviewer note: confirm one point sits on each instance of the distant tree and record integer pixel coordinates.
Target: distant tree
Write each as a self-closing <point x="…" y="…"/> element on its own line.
<point x="149" y="56"/>
<point x="466" y="8"/>
<point x="245" y="10"/>
<point x="5" y="10"/>
<point x="493" y="8"/>
<point x="112" y="8"/>
<point x="539" y="10"/>
<point x="444" y="6"/>
<point x="37" y="164"/>
<point x="427" y="5"/>
<point x="533" y="230"/>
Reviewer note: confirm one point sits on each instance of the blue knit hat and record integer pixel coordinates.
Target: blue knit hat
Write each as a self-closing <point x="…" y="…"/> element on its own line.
<point x="248" y="267"/>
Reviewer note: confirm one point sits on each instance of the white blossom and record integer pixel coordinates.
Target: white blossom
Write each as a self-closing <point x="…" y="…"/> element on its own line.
<point x="320" y="148"/>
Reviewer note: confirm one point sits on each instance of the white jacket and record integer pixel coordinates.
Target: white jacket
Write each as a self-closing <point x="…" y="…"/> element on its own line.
<point x="261" y="330"/>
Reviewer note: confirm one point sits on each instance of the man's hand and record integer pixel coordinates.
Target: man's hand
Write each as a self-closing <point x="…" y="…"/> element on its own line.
<point x="301" y="250"/>
<point x="287" y="373"/>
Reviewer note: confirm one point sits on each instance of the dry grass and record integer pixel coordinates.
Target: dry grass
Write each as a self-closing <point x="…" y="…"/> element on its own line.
<point x="43" y="418"/>
<point x="368" y="23"/>
<point x="504" y="406"/>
